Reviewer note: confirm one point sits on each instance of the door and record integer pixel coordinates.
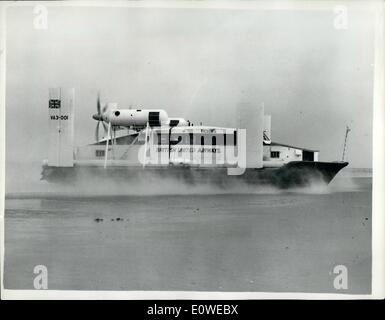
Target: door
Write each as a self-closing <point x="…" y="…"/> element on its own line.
<point x="307" y="155"/>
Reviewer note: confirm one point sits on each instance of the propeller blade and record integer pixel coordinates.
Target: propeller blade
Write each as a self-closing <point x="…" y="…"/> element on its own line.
<point x="108" y="138"/>
<point x="105" y="127"/>
<point x="105" y="108"/>
<point x="98" y="104"/>
<point x="97" y="132"/>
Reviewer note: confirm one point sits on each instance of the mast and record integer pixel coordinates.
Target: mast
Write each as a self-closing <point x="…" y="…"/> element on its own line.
<point x="346" y="138"/>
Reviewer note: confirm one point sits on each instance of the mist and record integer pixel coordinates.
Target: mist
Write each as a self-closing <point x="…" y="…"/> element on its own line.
<point x="24" y="180"/>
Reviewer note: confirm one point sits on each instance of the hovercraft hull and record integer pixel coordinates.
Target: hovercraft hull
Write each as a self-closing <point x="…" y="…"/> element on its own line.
<point x="292" y="174"/>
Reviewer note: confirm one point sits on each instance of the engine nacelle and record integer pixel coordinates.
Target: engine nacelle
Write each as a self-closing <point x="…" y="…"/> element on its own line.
<point x="136" y="117"/>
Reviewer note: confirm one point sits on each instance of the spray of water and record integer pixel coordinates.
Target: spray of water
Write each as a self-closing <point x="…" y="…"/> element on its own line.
<point x="25" y="181"/>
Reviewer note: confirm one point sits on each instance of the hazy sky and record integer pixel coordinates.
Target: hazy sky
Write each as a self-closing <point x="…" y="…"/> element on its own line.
<point x="197" y="64"/>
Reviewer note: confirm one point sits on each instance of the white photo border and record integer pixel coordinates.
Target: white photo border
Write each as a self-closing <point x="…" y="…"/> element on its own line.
<point x="375" y="7"/>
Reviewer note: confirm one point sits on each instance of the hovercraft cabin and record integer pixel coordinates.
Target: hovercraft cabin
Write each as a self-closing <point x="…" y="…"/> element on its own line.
<point x="275" y="154"/>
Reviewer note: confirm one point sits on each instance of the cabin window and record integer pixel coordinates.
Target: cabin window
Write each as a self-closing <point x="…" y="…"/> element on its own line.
<point x="117" y="113"/>
<point x="235" y="138"/>
<point x="191" y="138"/>
<point x="176" y="141"/>
<point x="195" y="139"/>
<point x="174" y="123"/>
<point x="100" y="153"/>
<point x="162" y="138"/>
<point x="274" y="154"/>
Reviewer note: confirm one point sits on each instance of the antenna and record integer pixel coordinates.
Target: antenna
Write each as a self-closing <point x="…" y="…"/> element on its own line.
<point x="346" y="138"/>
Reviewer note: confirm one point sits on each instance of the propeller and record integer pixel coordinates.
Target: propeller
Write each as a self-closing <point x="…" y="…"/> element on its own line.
<point x="99" y="118"/>
<point x="97" y="129"/>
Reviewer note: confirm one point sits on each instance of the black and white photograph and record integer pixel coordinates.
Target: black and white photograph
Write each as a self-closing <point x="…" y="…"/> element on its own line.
<point x="192" y="149"/>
